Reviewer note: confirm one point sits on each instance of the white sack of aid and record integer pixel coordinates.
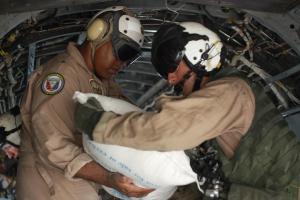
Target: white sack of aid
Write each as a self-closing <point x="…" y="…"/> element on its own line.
<point x="163" y="171"/>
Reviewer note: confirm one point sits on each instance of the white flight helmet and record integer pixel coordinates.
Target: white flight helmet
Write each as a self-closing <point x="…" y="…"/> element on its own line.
<point x="206" y="52"/>
<point x="10" y="129"/>
<point x="124" y="31"/>
<point x="198" y="46"/>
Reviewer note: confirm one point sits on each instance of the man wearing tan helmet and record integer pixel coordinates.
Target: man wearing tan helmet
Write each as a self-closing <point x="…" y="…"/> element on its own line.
<point x="52" y="163"/>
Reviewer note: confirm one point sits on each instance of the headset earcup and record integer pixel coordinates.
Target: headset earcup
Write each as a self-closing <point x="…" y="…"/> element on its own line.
<point x="96" y="30"/>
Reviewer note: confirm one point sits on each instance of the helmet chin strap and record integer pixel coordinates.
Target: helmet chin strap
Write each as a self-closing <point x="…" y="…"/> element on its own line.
<point x="93" y="51"/>
<point x="93" y="61"/>
<point x="178" y="88"/>
<point x="197" y="84"/>
<point x="94" y="47"/>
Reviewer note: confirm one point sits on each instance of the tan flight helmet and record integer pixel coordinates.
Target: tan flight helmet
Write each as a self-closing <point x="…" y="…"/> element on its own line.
<point x="118" y="25"/>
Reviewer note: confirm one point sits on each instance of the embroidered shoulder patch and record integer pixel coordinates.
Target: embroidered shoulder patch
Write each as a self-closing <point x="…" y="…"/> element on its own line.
<point x="53" y="84"/>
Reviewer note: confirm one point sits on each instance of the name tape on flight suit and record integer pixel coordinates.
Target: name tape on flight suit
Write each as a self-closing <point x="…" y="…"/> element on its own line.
<point x="96" y="86"/>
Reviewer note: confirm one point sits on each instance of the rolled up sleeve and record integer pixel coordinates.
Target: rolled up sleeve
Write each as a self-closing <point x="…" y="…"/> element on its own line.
<point x="76" y="164"/>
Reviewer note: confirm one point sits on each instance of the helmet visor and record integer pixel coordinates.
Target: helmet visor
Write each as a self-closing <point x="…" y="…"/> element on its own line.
<point x="127" y="53"/>
<point x="125" y="50"/>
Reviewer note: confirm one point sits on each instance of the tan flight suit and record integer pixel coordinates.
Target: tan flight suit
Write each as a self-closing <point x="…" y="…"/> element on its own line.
<point x="223" y="108"/>
<point x="51" y="150"/>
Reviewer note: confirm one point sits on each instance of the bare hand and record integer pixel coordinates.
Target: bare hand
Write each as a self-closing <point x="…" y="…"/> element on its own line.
<point x="126" y="186"/>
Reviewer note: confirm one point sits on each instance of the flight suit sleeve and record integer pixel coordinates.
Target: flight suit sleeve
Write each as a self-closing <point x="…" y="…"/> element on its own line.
<point x="222" y="107"/>
<point x="54" y="132"/>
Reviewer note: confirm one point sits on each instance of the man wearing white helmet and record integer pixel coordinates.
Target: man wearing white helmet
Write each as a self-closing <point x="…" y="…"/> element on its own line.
<point x="238" y="143"/>
<point x="52" y="162"/>
<point x="185" y="54"/>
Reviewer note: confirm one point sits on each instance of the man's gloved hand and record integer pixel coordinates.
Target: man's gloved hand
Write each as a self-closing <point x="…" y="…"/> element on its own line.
<point x="89" y="114"/>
